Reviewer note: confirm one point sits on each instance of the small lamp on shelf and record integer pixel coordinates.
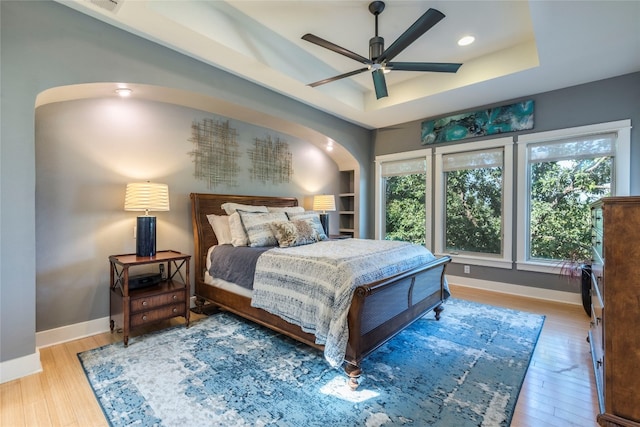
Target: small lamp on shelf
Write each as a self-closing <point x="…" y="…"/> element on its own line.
<point x="324" y="203"/>
<point x="146" y="197"/>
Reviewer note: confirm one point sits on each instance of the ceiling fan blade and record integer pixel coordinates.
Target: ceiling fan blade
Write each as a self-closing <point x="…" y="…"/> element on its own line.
<point x="341" y="76"/>
<point x="379" y="83"/>
<point x="430" y="18"/>
<point x="335" y="48"/>
<point x="436" y="67"/>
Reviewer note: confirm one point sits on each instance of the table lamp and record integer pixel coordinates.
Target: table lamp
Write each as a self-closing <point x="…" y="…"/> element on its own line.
<point x="146" y="197"/>
<point x="324" y="203"/>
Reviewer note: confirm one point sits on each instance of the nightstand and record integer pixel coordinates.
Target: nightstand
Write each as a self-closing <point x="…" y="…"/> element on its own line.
<point x="131" y="308"/>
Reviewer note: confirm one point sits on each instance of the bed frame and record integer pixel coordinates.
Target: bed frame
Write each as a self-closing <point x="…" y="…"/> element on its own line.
<point x="378" y="310"/>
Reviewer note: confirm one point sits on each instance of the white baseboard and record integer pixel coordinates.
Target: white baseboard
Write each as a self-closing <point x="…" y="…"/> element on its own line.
<point x="71" y="332"/>
<point x="76" y="331"/>
<point x="20" y="367"/>
<point x="524" y="291"/>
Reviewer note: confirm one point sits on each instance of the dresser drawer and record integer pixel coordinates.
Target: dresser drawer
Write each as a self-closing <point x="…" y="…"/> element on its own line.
<point x="167" y="312"/>
<point x="597" y="235"/>
<point x="145" y="303"/>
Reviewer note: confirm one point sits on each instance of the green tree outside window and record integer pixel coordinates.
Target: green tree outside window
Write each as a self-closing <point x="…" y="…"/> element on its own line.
<point x="561" y="192"/>
<point x="405" y="208"/>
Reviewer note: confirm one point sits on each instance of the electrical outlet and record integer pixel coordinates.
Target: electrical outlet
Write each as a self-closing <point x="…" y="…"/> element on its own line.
<point x="467" y="269"/>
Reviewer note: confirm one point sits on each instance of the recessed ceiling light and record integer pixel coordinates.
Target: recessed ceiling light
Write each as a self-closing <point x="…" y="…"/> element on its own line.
<point x="124" y="91"/>
<point x="329" y="145"/>
<point x="466" y="40"/>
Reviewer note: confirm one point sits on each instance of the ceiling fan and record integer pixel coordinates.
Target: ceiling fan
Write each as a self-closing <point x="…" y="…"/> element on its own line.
<point x="379" y="57"/>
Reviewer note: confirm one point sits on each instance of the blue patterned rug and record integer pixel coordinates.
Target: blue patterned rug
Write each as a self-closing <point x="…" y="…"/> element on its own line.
<point x="465" y="370"/>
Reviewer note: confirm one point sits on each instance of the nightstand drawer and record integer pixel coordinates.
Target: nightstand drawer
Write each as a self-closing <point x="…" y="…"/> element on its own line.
<point x="151" y="316"/>
<point x="153" y="301"/>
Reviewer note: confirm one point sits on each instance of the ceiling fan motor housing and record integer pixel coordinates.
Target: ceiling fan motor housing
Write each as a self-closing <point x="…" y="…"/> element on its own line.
<point x="376" y="47"/>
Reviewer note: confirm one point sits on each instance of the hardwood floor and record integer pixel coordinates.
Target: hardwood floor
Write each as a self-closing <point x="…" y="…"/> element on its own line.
<point x="559" y="389"/>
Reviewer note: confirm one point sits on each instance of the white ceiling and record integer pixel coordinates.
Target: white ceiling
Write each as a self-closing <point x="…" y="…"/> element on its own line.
<point x="522" y="47"/>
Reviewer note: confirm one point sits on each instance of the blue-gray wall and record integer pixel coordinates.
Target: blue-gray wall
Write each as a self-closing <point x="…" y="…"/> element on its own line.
<point x="46" y="45"/>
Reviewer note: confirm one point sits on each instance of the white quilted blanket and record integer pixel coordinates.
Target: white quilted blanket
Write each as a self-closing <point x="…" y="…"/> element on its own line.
<point x="312" y="285"/>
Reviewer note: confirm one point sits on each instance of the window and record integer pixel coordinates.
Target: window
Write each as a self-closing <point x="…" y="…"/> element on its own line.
<point x="473" y="194"/>
<point x="473" y="202"/>
<point x="401" y="197"/>
<point x="561" y="173"/>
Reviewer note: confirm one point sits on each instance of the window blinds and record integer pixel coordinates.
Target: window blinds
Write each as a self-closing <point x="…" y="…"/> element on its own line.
<point x="601" y="145"/>
<point x="472" y="160"/>
<point x="404" y="167"/>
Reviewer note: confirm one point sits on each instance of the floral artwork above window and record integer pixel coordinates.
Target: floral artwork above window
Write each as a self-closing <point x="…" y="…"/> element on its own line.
<point x="506" y="118"/>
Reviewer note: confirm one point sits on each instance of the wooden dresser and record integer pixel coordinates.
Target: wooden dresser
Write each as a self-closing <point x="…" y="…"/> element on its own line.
<point x="615" y="309"/>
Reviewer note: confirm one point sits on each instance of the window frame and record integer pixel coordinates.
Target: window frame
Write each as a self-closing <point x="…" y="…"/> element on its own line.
<point x="379" y="220"/>
<point x="620" y="186"/>
<point x="504" y="260"/>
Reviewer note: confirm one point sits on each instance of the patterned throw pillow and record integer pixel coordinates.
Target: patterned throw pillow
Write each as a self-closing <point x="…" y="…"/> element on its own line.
<point x="313" y="218"/>
<point x="295" y="233"/>
<point x="257" y="225"/>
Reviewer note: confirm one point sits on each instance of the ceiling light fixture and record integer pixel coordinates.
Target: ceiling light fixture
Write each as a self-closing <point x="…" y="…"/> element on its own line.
<point x="466" y="40"/>
<point x="124" y="92"/>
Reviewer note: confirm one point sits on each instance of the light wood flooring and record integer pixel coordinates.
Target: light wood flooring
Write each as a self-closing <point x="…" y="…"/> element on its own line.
<point x="559" y="389"/>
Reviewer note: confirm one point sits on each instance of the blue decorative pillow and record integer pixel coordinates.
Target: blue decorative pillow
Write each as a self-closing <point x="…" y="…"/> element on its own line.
<point x="258" y="227"/>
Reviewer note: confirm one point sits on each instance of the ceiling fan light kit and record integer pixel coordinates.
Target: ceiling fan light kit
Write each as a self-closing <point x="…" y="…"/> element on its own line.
<point x="379" y="57"/>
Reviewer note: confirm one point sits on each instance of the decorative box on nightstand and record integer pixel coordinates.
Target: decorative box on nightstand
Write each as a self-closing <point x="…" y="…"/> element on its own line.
<point x="161" y="300"/>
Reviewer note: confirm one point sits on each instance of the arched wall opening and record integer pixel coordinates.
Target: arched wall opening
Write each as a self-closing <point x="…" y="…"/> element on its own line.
<point x="90" y="143"/>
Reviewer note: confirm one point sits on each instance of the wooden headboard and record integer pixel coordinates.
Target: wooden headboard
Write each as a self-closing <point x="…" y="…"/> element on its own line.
<point x="203" y="204"/>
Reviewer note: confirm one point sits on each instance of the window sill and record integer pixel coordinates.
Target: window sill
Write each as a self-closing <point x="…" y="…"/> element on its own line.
<point x="481" y="261"/>
<point x="540" y="267"/>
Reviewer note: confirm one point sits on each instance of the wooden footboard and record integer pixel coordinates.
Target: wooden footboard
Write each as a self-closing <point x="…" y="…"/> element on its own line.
<point x="378" y="311"/>
<point x="382" y="309"/>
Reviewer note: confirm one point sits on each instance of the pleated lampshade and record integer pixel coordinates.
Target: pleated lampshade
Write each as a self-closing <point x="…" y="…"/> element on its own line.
<point x="324" y="202"/>
<point x="146" y="197"/>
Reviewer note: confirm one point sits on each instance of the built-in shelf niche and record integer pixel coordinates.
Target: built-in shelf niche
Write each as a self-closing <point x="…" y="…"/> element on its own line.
<point x="348" y="203"/>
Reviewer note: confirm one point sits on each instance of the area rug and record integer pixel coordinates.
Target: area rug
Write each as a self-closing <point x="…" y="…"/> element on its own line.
<point x="464" y="370"/>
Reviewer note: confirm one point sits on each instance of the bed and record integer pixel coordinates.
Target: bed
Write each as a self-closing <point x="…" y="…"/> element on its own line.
<point x="377" y="310"/>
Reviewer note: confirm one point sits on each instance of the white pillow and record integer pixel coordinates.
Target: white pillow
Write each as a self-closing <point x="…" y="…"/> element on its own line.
<point x="286" y="209"/>
<point x="238" y="235"/>
<point x="220" y="225"/>
<point x="258" y="227"/>
<point x="230" y="208"/>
